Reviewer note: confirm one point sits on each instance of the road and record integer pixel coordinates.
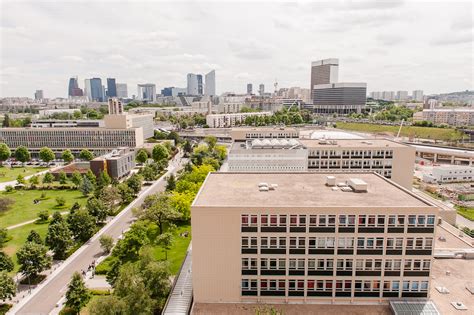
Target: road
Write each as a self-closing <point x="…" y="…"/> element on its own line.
<point x="44" y="298"/>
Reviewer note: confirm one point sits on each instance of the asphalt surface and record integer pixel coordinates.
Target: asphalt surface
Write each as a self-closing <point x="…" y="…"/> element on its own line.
<point x="45" y="297"/>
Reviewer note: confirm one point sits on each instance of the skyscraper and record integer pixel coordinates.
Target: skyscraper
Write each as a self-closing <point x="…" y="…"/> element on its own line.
<point x="418" y="95"/>
<point x="324" y="72"/>
<point x="210" y="87"/>
<point x="39" y="95"/>
<point x="147" y="92"/>
<point x="402" y="95"/>
<point x="122" y="90"/>
<point x="72" y="85"/>
<point x="199" y="84"/>
<point x="88" y="89"/>
<point x="249" y="88"/>
<point x="192" y="84"/>
<point x="261" y="89"/>
<point x="96" y="90"/>
<point x="111" y="87"/>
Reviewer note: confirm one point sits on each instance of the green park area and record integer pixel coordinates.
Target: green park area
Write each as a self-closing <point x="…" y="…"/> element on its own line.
<point x="467" y="212"/>
<point x="23" y="208"/>
<point x="8" y="174"/>
<point x="445" y="134"/>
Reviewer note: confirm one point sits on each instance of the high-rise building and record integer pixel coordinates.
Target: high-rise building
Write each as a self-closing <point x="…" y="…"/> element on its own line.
<point x="192" y="84"/>
<point x="72" y="86"/>
<point x="173" y="91"/>
<point x="210" y="84"/>
<point x="339" y="98"/>
<point x="388" y="95"/>
<point x="122" y="91"/>
<point x="111" y="87"/>
<point x="418" y="95"/>
<point x="147" y="92"/>
<point x="115" y="106"/>
<point x="88" y="89"/>
<point x="39" y="95"/>
<point x="402" y="95"/>
<point x="97" y="91"/>
<point x="200" y="84"/>
<point x="324" y="71"/>
<point x="249" y="88"/>
<point x="261" y="89"/>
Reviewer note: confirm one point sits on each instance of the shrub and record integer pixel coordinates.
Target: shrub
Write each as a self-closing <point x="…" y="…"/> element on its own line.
<point x="60" y="201"/>
<point x="43" y="216"/>
<point x="8" y="188"/>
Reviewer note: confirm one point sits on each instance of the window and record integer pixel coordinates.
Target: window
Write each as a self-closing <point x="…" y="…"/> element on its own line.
<point x="343" y="285"/>
<point x="395" y="243"/>
<point x="264" y="220"/>
<point x="321" y="242"/>
<point x="415" y="286"/>
<point x="249" y="242"/>
<point x="346" y="220"/>
<point x="370" y="243"/>
<point x="298" y="242"/>
<point x="345" y="242"/>
<point x="296" y="285"/>
<point x="369" y="264"/>
<point x="419" y="243"/>
<point x="249" y="284"/>
<point x="273" y="263"/>
<point x="344" y="264"/>
<point x="272" y="285"/>
<point x="393" y="264"/>
<point x="321" y="264"/>
<point x="367" y="285"/>
<point x="417" y="265"/>
<point x="249" y="263"/>
<point x="249" y="220"/>
<point x="296" y="264"/>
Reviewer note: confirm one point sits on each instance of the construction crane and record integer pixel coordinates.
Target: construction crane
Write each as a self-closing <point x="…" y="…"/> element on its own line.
<point x="400" y="129"/>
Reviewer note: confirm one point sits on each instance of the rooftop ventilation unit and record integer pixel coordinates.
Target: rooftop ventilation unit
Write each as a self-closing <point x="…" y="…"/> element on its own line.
<point x="262" y="185"/>
<point x="263" y="188"/>
<point x="330" y="181"/>
<point x="357" y="184"/>
<point x="346" y="189"/>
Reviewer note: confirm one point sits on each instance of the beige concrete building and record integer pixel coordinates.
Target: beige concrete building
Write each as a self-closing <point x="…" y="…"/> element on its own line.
<point x="231" y="120"/>
<point x="239" y="134"/>
<point x="126" y="121"/>
<point x="451" y="116"/>
<point x="292" y="238"/>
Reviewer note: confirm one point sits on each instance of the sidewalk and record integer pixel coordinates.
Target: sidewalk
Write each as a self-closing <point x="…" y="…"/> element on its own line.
<point x="13" y="182"/>
<point x="11" y="227"/>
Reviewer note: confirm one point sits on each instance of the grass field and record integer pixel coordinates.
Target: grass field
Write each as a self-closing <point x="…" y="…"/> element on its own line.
<point x="18" y="238"/>
<point x="446" y="134"/>
<point x="24" y="209"/>
<point x="8" y="174"/>
<point x="467" y="212"/>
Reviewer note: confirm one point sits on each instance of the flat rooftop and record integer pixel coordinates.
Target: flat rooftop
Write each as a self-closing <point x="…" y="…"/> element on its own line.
<point x="300" y="190"/>
<point x="356" y="143"/>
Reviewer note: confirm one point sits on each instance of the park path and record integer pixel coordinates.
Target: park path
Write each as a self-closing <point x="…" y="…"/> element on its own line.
<point x="11" y="227"/>
<point x="13" y="182"/>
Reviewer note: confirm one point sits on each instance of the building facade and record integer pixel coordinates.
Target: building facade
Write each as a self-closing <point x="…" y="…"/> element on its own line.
<point x="339" y="98"/>
<point x="118" y="163"/>
<point x="210" y="84"/>
<point x="460" y="116"/>
<point x="450" y="174"/>
<point x="249" y="88"/>
<point x="122" y="91"/>
<point x="39" y="95"/>
<point x="97" y="90"/>
<point x="418" y="95"/>
<point x="111" y="87"/>
<point x="115" y="106"/>
<point x="324" y="72"/>
<point x="310" y="238"/>
<point x="231" y="120"/>
<point x="127" y="121"/>
<point x="243" y="134"/>
<point x="146" y="92"/>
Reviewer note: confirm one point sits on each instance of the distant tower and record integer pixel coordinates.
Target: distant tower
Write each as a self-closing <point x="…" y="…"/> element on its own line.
<point x="324" y="72"/>
<point x="111" y="87"/>
<point x="276" y="85"/>
<point x="210" y="84"/>
<point x="115" y="106"/>
<point x="261" y="89"/>
<point x="73" y="86"/>
<point x="249" y="88"/>
<point x="39" y="95"/>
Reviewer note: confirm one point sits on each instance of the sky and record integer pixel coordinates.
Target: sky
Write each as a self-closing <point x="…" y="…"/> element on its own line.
<point x="390" y="45"/>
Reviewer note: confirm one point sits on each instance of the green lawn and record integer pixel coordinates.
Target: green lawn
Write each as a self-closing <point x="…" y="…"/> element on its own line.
<point x="467" y="212"/>
<point x="8" y="174"/>
<point x="178" y="251"/>
<point x="24" y="209"/>
<point x="446" y="134"/>
<point x="18" y="238"/>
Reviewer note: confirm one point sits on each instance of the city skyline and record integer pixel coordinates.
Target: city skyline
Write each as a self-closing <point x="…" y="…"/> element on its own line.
<point x="389" y="51"/>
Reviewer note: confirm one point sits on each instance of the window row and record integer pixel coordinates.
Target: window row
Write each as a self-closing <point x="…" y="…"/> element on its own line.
<point x="328" y="220"/>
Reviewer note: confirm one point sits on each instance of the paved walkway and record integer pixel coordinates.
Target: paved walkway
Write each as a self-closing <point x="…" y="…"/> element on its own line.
<point x="13" y="182"/>
<point x="11" y="227"/>
<point x="45" y="297"/>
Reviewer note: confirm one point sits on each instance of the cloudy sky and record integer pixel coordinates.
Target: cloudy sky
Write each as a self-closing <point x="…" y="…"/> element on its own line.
<point x="391" y="45"/>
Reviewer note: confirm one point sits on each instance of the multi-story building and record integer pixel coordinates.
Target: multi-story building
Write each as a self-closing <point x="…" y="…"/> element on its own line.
<point x="122" y="91"/>
<point x="115" y="106"/>
<point x="461" y="116"/>
<point x="249" y="88"/>
<point x="195" y="84"/>
<point x="387" y="158"/>
<point x="131" y="121"/>
<point x="146" y="92"/>
<point x="450" y="174"/>
<point x="118" y="163"/>
<point x="173" y="91"/>
<point x="234" y="107"/>
<point x="339" y="98"/>
<point x="324" y="72"/>
<point x="210" y="84"/>
<point x="261" y="89"/>
<point x="98" y="140"/>
<point x="39" y="95"/>
<point x="72" y="87"/>
<point x="111" y="87"/>
<point x="96" y="90"/>
<point x="417" y="95"/>
<point x="242" y="134"/>
<point x="402" y="95"/>
<point x="60" y="123"/>
<point x="305" y="238"/>
<point x="388" y="95"/>
<point x="231" y="120"/>
<point x="88" y="89"/>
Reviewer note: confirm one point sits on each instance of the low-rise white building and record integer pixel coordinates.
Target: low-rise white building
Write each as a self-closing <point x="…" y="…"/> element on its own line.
<point x="450" y="174"/>
<point x="230" y="120"/>
<point x="460" y="116"/>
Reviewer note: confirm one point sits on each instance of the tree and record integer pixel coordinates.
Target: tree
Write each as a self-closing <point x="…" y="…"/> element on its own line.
<point x="161" y="212"/>
<point x="86" y="155"/>
<point x="6" y="121"/>
<point x="107" y="305"/>
<point x="130" y="287"/>
<point x="3" y="237"/>
<point x="48" y="178"/>
<point x="142" y="156"/>
<point x="34" y="180"/>
<point x="43" y="216"/>
<point x="87" y="186"/>
<point x="60" y="201"/>
<point x="62" y="177"/>
<point x="148" y="173"/>
<point x="211" y="142"/>
<point x="7" y="286"/>
<point x="135" y="183"/>
<point x="67" y="156"/>
<point x="188" y="148"/>
<point x="22" y="154"/>
<point x="59" y="238"/>
<point x="6" y="263"/>
<point x="90" y="175"/>
<point x="5" y="153"/>
<point x="57" y="217"/>
<point x="77" y="294"/>
<point x="20" y="180"/>
<point x="111" y="197"/>
<point x="34" y="237"/>
<point x="171" y="182"/>
<point x="33" y="259"/>
<point x="165" y="240"/>
<point x="76" y="178"/>
<point x="103" y="180"/>
<point x="126" y="192"/>
<point x="128" y="248"/>
<point x="156" y="275"/>
<point x="96" y="208"/>
<point x="173" y="135"/>
<point x="81" y="224"/>
<point x="5" y="204"/>
<point x="46" y="154"/>
<point x="106" y="243"/>
<point x="159" y="153"/>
